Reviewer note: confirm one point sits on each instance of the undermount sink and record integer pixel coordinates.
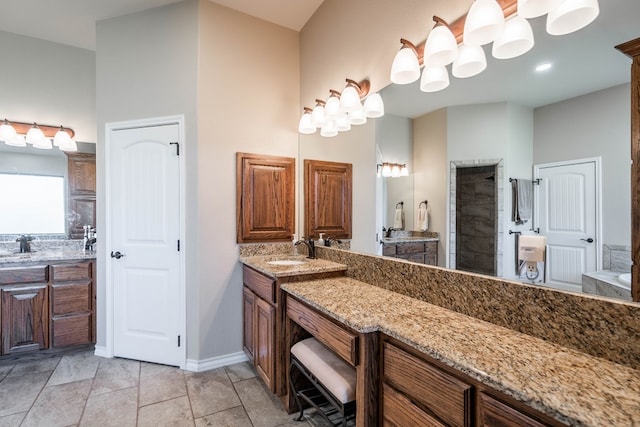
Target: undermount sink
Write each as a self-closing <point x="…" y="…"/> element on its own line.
<point x="286" y="262"/>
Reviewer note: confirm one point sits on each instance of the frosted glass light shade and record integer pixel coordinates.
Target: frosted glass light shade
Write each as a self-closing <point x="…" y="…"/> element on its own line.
<point x="516" y="38"/>
<point x="484" y="22"/>
<point x="404" y="170"/>
<point x="405" y="68"/>
<point x="305" y="126"/>
<point x="43" y="144"/>
<point x="571" y="15"/>
<point x="35" y="135"/>
<point x="434" y="79"/>
<point x="350" y="100"/>
<point x="329" y="129"/>
<point x="71" y="146"/>
<point x="386" y="170"/>
<point x="395" y="171"/>
<point x="7" y="132"/>
<point x="374" y="106"/>
<point x="471" y="61"/>
<point x="318" y="116"/>
<point x="332" y="107"/>
<point x="61" y="138"/>
<point x="441" y="47"/>
<point x="534" y="8"/>
<point x="16" y="141"/>
<point x="358" y="117"/>
<point x="342" y="123"/>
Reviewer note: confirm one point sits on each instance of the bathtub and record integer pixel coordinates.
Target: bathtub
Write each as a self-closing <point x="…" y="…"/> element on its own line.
<point x="607" y="283"/>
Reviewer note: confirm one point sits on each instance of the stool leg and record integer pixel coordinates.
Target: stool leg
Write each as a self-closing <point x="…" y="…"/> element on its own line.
<point x="295" y="394"/>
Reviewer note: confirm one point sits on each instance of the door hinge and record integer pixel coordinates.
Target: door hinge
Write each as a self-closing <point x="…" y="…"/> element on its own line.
<point x="178" y="245"/>
<point x="178" y="340"/>
<point x="177" y="144"/>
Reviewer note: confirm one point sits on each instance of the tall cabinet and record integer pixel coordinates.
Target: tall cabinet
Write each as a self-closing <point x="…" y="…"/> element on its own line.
<point x="81" y="193"/>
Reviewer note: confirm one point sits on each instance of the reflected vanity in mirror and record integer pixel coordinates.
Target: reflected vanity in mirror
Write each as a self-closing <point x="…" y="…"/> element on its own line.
<point x="514" y="118"/>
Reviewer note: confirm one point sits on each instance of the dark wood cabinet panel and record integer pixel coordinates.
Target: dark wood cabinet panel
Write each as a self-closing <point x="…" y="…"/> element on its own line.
<point x="71" y="330"/>
<point x="328" y="199"/>
<point x="264" y="341"/>
<point x="399" y="411"/>
<point x="24" y="318"/>
<point x="70" y="298"/>
<point x="420" y="252"/>
<point x="494" y="413"/>
<point x="81" y="193"/>
<point x="265" y="198"/>
<point x="248" y="310"/>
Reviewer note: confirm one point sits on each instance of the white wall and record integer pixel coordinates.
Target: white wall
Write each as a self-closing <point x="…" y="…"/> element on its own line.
<point x="596" y="124"/>
<point x="48" y="83"/>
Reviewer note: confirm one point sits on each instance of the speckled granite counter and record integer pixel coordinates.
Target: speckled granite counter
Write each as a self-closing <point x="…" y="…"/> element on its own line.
<point x="566" y="384"/>
<point x="307" y="266"/>
<point x="6" y="259"/>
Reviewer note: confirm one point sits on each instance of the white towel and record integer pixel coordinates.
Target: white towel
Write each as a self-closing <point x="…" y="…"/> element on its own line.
<point x="422" y="223"/>
<point x="522" y="191"/>
<point x="398" y="218"/>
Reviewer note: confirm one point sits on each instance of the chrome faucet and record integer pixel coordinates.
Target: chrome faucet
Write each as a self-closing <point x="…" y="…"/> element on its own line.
<point x="310" y="246"/>
<point x="25" y="243"/>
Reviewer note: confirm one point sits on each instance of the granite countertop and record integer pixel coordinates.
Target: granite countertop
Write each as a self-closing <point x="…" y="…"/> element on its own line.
<point x="408" y="239"/>
<point x="7" y="257"/>
<point x="571" y="386"/>
<point x="306" y="266"/>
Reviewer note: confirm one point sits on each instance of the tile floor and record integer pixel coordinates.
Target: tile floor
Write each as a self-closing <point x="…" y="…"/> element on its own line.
<point x="81" y="389"/>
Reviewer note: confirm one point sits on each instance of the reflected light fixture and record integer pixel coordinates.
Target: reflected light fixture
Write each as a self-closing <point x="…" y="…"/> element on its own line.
<point x="329" y="129"/>
<point x="19" y="134"/>
<point x="471" y="61"/>
<point x="405" y="68"/>
<point x="332" y="106"/>
<point x="441" y="47"/>
<point x="571" y="15"/>
<point x="393" y="170"/>
<point x="317" y="114"/>
<point x="484" y="22"/>
<point x="358" y="117"/>
<point x="516" y="39"/>
<point x="306" y="125"/>
<point x="534" y="8"/>
<point x="351" y="94"/>
<point x="434" y="78"/>
<point x="373" y="106"/>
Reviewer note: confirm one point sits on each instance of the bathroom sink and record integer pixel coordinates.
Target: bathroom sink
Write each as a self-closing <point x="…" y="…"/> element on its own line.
<point x="286" y="262"/>
<point x="625" y="278"/>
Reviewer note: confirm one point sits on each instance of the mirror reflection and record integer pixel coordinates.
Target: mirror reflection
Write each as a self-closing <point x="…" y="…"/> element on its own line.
<point x="525" y="125"/>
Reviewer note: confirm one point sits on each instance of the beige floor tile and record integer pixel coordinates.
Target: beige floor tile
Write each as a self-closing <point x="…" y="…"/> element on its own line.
<point x="75" y="367"/>
<point x="59" y="405"/>
<point x="4" y="371"/>
<point x="240" y="371"/>
<point x="234" y="417"/>
<point x="47" y="364"/>
<point x="12" y="420"/>
<point x="159" y="382"/>
<point x="170" y="413"/>
<point x="117" y="408"/>
<point x="263" y="408"/>
<point x="17" y="394"/>
<point x="115" y="374"/>
<point x="210" y="392"/>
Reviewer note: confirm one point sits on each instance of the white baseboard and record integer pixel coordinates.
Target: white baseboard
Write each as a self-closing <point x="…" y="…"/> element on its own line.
<point x="215" y="362"/>
<point x="101" y="351"/>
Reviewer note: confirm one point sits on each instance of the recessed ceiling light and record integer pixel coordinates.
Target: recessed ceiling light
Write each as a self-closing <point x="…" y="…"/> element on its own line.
<point x="543" y="67"/>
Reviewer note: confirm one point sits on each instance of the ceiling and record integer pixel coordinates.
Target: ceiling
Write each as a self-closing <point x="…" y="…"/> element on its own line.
<point x="72" y="22"/>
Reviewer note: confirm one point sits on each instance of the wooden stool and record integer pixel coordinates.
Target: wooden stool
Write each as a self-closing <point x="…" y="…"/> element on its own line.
<point x="334" y="381"/>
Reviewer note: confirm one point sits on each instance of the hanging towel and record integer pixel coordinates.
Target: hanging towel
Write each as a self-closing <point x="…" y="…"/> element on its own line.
<point x="522" y="190"/>
<point x="398" y="218"/>
<point x="423" y="218"/>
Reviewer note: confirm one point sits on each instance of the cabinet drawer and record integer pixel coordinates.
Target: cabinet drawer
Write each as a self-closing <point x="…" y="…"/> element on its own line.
<point x="398" y="411"/>
<point x="431" y="247"/>
<point x="444" y="395"/>
<point x="70" y="330"/>
<point x="389" y="250"/>
<point x="496" y="413"/>
<point x="11" y="275"/>
<point x="341" y="341"/>
<point x="410" y="248"/>
<point x="413" y="257"/>
<point x="70" y="298"/>
<point x="262" y="285"/>
<point x="77" y="271"/>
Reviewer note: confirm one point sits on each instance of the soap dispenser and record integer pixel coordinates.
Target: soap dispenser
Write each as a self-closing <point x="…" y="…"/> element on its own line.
<point x="321" y="240"/>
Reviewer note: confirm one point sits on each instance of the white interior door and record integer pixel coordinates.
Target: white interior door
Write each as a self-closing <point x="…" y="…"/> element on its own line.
<point x="567" y="213"/>
<point x="144" y="211"/>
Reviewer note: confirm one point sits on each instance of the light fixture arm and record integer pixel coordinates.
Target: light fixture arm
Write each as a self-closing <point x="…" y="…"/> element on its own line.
<point x="440" y="21"/>
<point x="49" y="131"/>
<point x="362" y="87"/>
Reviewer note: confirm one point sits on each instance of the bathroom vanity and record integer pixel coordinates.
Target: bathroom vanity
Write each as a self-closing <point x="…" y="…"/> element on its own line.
<point x="47" y="301"/>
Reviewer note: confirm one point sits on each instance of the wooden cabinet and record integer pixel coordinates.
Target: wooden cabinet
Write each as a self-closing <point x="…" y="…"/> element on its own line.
<point x="81" y="193"/>
<point x="265" y="199"/>
<point x="46" y="306"/>
<point x="72" y="304"/>
<point x="23" y="309"/>
<point x="259" y="314"/>
<point x="327" y="199"/>
<point x="493" y="412"/>
<point x="420" y="252"/>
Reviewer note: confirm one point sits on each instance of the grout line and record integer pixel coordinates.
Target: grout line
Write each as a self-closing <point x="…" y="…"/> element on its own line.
<point x="186" y="388"/>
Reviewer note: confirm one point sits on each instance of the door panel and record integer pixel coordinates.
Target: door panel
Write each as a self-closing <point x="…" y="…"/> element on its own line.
<point x="145" y="219"/>
<point x="567" y="215"/>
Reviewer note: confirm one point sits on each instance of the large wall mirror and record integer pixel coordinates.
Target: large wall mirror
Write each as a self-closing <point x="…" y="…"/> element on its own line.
<point x="510" y="116"/>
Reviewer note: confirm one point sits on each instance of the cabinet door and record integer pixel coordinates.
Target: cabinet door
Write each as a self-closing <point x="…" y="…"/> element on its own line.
<point x="82" y="173"/>
<point x="431" y="253"/>
<point x="264" y="341"/>
<point x="24" y="318"/>
<point x="248" y="326"/>
<point x="496" y="413"/>
<point x="327" y="199"/>
<point x="265" y="198"/>
<point x="399" y="411"/>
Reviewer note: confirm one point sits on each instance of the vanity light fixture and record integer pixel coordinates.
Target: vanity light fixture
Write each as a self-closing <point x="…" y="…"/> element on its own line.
<point x="484" y="22"/>
<point x="329" y="129"/>
<point x="317" y="114"/>
<point x="516" y="39"/>
<point x="571" y="15"/>
<point x="332" y="106"/>
<point x="405" y="68"/>
<point x="393" y="170"/>
<point x="471" y="61"/>
<point x="350" y="98"/>
<point x="306" y="125"/>
<point x="20" y="134"/>
<point x="373" y="106"/>
<point x="434" y="78"/>
<point x="358" y="117"/>
<point x="441" y="47"/>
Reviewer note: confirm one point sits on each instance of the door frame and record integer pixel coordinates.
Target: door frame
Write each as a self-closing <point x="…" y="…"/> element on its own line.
<point x="598" y="172"/>
<point x="132" y="124"/>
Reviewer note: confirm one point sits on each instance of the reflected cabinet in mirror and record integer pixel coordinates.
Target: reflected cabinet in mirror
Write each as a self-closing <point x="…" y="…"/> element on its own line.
<point x="539" y="127"/>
